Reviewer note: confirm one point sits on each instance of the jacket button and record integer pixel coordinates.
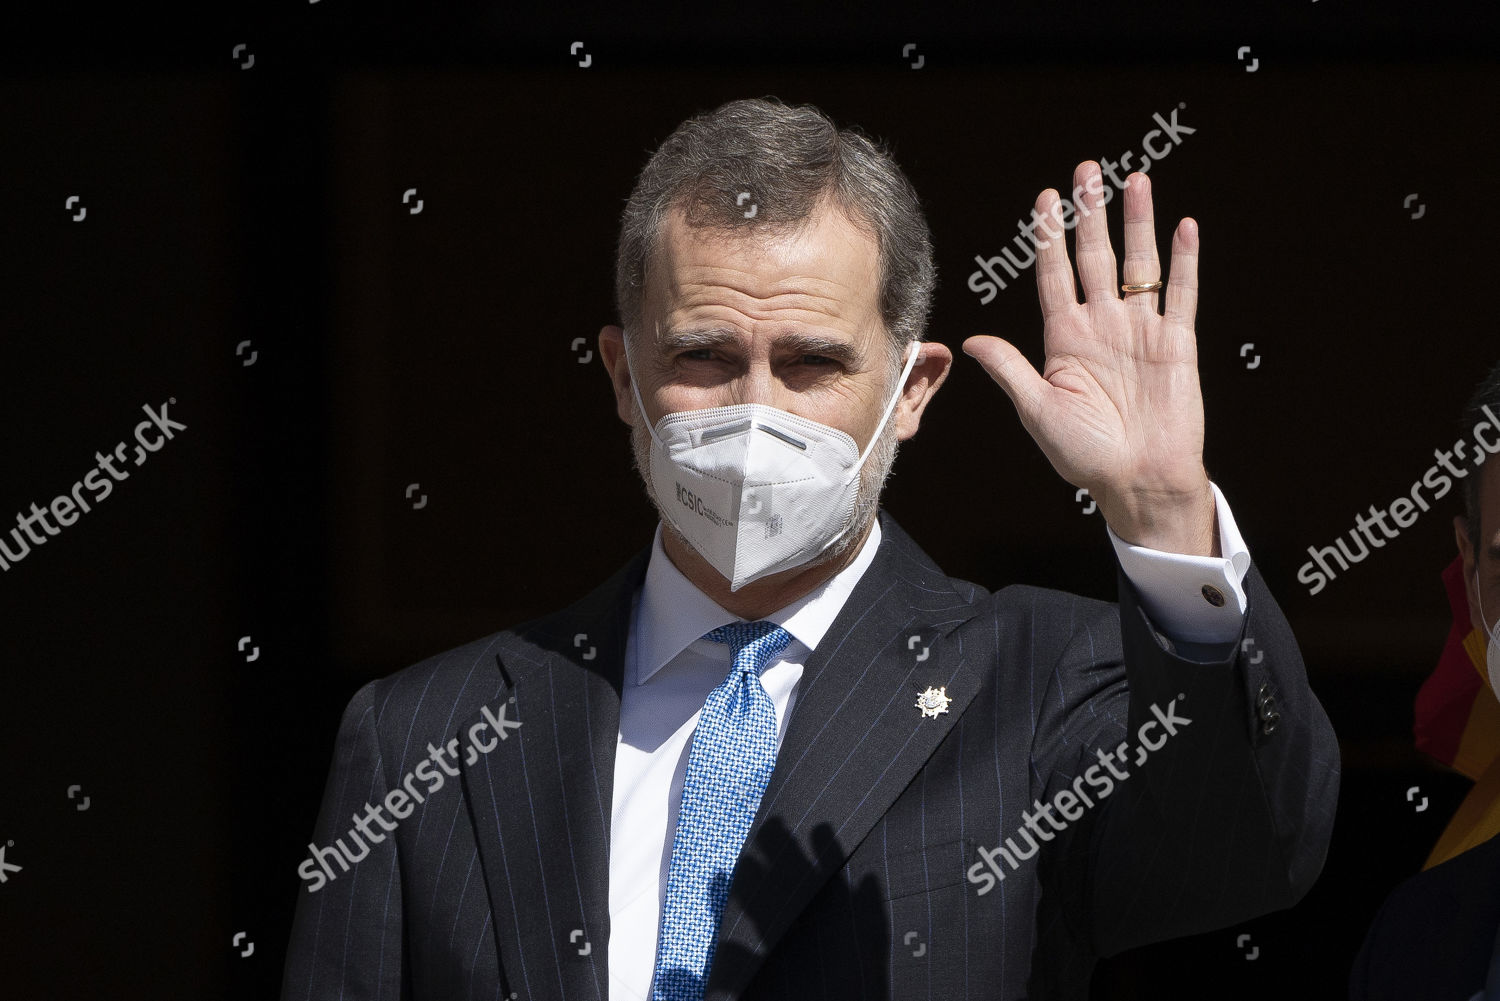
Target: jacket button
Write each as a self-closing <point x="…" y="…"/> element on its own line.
<point x="1265" y="707"/>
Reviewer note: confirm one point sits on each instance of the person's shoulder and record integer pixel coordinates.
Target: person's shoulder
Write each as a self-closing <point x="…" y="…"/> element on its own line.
<point x="1038" y="606"/>
<point x="1028" y="596"/>
<point x="1033" y="596"/>
<point x="1434" y="934"/>
<point x="918" y="568"/>
<point x="1038" y="625"/>
<point x="440" y="683"/>
<point x="471" y="672"/>
<point x="1432" y="903"/>
<point x="1434" y="890"/>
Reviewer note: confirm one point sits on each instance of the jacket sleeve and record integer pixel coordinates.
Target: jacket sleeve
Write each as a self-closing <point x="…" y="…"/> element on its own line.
<point x="1231" y="779"/>
<point x="346" y="938"/>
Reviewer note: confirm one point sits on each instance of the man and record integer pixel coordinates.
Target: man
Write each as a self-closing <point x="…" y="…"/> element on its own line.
<point x="780" y="754"/>
<point x="1437" y="936"/>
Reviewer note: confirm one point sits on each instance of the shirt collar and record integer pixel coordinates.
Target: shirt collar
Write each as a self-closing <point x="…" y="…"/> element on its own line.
<point x="672" y="613"/>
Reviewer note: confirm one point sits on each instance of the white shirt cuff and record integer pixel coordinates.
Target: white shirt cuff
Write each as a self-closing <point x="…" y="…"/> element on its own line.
<point x="1196" y="599"/>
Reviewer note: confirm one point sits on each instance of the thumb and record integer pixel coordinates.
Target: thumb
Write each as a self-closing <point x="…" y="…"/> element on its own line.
<point x="1008" y="367"/>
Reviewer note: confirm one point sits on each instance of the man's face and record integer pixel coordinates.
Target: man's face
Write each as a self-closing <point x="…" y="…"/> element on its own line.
<point x="1482" y="555"/>
<point x="791" y="321"/>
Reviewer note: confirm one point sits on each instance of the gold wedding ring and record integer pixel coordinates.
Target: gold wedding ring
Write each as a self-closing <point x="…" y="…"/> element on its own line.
<point x="1148" y="287"/>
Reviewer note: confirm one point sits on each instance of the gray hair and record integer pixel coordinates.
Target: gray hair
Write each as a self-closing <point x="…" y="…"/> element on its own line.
<point x="789" y="159"/>
<point x="1486" y="394"/>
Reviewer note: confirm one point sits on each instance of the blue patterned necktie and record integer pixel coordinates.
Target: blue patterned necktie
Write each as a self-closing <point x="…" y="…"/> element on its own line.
<point x="733" y="752"/>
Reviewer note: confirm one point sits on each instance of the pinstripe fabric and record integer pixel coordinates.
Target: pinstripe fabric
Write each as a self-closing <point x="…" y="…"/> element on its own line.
<point x="853" y="880"/>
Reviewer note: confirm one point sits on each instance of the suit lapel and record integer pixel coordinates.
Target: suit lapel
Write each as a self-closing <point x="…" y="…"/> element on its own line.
<point x="855" y="741"/>
<point x="540" y="802"/>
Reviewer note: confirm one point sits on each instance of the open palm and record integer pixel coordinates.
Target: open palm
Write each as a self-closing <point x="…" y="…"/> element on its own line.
<point x="1117" y="407"/>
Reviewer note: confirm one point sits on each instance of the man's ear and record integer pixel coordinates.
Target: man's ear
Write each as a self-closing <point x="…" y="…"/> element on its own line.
<point x="933" y="362"/>
<point x="1466" y="553"/>
<point x="612" y="351"/>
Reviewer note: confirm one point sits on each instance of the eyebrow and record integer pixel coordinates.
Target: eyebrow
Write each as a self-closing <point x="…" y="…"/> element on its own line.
<point x="672" y="341"/>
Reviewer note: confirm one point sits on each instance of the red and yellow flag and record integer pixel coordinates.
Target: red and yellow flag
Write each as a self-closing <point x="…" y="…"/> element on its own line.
<point x="1457" y="721"/>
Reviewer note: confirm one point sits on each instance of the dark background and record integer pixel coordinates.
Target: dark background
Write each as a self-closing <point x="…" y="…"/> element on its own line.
<point x="226" y="205"/>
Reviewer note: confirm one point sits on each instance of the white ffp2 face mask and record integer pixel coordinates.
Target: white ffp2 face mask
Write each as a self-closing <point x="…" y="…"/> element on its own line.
<point x="757" y="490"/>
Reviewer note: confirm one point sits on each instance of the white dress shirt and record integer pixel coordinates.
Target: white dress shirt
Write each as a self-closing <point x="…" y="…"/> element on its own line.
<point x="670" y="670"/>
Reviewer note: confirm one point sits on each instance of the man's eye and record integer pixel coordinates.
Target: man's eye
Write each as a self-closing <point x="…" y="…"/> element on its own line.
<point x="817" y="360"/>
<point x="698" y="354"/>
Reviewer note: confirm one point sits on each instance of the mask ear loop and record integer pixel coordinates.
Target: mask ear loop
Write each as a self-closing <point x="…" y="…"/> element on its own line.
<point x="1479" y="592"/>
<point x="1492" y="664"/>
<point x="635" y="388"/>
<point x="890" y="405"/>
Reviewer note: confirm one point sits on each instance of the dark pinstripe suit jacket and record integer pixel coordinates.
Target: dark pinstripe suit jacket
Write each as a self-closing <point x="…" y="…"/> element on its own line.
<point x="853" y="882"/>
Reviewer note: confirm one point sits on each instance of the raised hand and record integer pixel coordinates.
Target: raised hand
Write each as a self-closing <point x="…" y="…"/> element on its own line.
<point x="1117" y="408"/>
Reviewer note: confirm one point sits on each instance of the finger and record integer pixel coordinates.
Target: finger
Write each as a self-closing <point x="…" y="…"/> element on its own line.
<point x="1142" y="265"/>
<point x="1182" y="286"/>
<point x="1054" y="272"/>
<point x="1012" y="371"/>
<point x="1096" y="258"/>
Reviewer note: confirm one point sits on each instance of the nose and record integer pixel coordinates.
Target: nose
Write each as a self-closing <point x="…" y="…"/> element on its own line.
<point x="755" y="385"/>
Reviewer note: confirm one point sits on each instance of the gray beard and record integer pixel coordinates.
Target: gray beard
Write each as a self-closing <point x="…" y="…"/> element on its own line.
<point x="872" y="477"/>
